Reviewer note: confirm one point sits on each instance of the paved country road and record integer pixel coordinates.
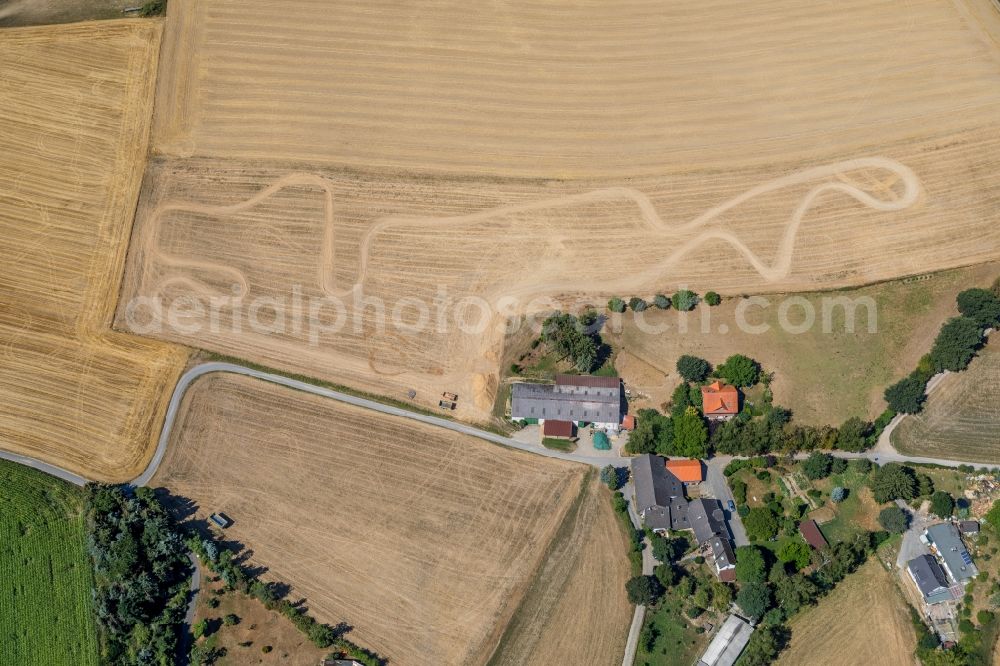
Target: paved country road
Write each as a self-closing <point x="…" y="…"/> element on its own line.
<point x="217" y="366"/>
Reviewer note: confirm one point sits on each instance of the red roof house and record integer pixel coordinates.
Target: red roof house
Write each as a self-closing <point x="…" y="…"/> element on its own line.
<point x="686" y="471"/>
<point x="553" y="428"/>
<point x="720" y="401"/>
<point x="628" y="422"/>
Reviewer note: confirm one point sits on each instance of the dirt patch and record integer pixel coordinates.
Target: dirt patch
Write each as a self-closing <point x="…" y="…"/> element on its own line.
<point x="422" y="539"/>
<point x="865" y="612"/>
<point x="257" y="626"/>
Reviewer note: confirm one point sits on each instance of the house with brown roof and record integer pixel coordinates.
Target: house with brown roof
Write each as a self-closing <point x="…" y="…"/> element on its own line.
<point x="719" y="402"/>
<point x="688" y="472"/>
<point x="810" y="532"/>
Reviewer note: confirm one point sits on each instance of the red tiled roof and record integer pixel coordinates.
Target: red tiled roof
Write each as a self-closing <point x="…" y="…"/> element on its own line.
<point x="686" y="471"/>
<point x="552" y="428"/>
<point x="628" y="422"/>
<point x="727" y="575"/>
<point x="719" y="399"/>
<point x="812" y="535"/>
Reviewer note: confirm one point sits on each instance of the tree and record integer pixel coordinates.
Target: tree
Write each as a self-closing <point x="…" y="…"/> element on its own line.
<point x="982" y="305"/>
<point x="795" y="552"/>
<point x="684" y="300"/>
<point x="666" y="574"/>
<point x="893" y="481"/>
<point x="763" y="647"/>
<point x="993" y="516"/>
<point x="230" y="620"/>
<point x="956" y="344"/>
<point x="907" y="395"/>
<point x="637" y="304"/>
<point x="838" y="494"/>
<point x="751" y="567"/>
<point x="754" y="599"/>
<point x="573" y="338"/>
<point x="795" y="591"/>
<point x="616" y="305"/>
<point x="662" y="302"/>
<point x="610" y="477"/>
<point x="739" y="370"/>
<point x="712" y="298"/>
<point x="690" y="434"/>
<point x="853" y="434"/>
<point x="643" y="590"/>
<point x="893" y="519"/>
<point x="761" y="524"/>
<point x="838" y="466"/>
<point x="199" y="628"/>
<point x="669" y="549"/>
<point x="692" y="368"/>
<point x="817" y="465"/>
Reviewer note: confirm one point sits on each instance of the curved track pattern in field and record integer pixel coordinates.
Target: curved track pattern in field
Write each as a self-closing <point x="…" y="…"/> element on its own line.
<point x="651" y="218"/>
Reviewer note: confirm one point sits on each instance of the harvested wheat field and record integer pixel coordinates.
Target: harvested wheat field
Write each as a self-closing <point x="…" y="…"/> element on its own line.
<point x="863" y="622"/>
<point x="576" y="611"/>
<point x="75" y="102"/>
<point x="502" y="151"/>
<point x="862" y="341"/>
<point x="424" y="540"/>
<point x="961" y="418"/>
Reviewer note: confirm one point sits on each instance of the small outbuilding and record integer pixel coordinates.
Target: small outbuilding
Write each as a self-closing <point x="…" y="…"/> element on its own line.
<point x="811" y="533"/>
<point x="221" y="519"/>
<point x="728" y="644"/>
<point x="558" y="429"/>
<point x="969" y="527"/>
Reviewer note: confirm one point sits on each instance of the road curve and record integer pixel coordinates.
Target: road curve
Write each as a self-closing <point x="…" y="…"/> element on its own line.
<point x="202" y="369"/>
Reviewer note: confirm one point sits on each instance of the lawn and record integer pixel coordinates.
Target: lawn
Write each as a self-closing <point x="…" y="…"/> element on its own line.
<point x="677" y="643"/>
<point x="45" y="575"/>
<point x="856" y="514"/>
<point x="558" y="444"/>
<point x="823" y="377"/>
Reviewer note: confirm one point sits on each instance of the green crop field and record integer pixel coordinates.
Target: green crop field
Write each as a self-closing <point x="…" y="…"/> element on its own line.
<point x="45" y="575"/>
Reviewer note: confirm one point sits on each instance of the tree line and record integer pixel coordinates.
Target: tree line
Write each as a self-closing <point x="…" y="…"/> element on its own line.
<point x="141" y="575"/>
<point x="954" y="348"/>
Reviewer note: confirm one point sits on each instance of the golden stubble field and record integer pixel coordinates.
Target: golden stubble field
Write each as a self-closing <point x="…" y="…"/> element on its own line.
<point x="76" y="102"/>
<point x="424" y="540"/>
<point x="863" y="622"/>
<point x="552" y="150"/>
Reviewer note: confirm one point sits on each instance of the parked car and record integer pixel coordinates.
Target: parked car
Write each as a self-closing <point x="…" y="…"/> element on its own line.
<point x="732" y="506"/>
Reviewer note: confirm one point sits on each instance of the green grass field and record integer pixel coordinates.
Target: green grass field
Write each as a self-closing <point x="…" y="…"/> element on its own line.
<point x="825" y="374"/>
<point x="45" y="576"/>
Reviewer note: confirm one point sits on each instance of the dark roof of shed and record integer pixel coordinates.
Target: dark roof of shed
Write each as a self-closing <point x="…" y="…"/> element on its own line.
<point x="554" y="428"/>
<point x="811" y="533"/>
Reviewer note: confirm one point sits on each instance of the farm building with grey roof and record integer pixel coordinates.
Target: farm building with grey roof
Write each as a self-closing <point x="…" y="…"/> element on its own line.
<point x="581" y="399"/>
